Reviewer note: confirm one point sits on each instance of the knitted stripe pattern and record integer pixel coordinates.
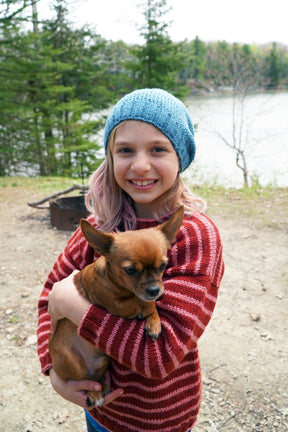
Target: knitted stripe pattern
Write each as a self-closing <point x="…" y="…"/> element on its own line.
<point x="161" y="379"/>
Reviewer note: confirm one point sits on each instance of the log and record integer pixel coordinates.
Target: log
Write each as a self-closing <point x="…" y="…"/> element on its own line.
<point x="37" y="204"/>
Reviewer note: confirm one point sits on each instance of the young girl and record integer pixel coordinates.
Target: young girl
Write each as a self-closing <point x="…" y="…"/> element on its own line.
<point x="149" y="141"/>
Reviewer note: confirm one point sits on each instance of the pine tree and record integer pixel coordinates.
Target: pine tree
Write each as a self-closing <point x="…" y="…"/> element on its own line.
<point x="199" y="59"/>
<point x="14" y="124"/>
<point x="157" y="63"/>
<point x="53" y="83"/>
<point x="273" y="66"/>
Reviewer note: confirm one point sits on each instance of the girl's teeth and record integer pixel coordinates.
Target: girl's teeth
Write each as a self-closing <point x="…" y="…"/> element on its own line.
<point x="144" y="183"/>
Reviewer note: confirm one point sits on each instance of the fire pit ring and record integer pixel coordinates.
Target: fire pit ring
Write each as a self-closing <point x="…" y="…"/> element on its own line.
<point x="65" y="213"/>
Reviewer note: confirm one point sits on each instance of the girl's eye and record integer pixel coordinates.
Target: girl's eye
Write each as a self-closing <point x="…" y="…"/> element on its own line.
<point x="158" y="149"/>
<point x="125" y="150"/>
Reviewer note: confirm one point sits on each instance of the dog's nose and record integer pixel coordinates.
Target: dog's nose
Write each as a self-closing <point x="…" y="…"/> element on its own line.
<point x="153" y="291"/>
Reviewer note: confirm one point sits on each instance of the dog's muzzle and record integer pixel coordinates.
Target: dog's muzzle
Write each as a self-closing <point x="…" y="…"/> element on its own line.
<point x="152" y="292"/>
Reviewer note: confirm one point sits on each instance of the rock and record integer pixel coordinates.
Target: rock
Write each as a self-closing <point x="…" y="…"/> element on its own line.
<point x="62" y="416"/>
<point x="255" y="316"/>
<point x="266" y="335"/>
<point x="31" y="340"/>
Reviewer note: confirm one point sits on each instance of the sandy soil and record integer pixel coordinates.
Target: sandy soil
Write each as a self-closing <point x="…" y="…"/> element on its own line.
<point x="244" y="350"/>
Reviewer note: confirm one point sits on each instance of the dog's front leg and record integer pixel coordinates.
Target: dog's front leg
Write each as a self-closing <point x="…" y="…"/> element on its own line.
<point x="153" y="324"/>
<point x="127" y="307"/>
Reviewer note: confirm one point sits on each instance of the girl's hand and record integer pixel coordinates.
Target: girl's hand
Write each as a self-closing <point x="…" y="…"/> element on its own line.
<point x="75" y="391"/>
<point x="66" y="302"/>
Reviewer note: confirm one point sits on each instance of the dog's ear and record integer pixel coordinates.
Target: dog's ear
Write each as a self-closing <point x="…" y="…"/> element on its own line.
<point x="99" y="240"/>
<point x="172" y="225"/>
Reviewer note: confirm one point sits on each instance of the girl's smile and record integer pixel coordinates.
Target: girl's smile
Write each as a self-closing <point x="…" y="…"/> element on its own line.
<point x="142" y="184"/>
<point x="145" y="164"/>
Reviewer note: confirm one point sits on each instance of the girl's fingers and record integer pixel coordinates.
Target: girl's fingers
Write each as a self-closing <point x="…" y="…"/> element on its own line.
<point x="112" y="396"/>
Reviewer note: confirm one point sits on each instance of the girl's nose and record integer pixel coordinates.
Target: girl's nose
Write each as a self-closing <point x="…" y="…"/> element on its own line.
<point x="141" y="163"/>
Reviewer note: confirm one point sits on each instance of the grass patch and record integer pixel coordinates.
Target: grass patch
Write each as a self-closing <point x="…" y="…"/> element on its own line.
<point x="260" y="206"/>
<point x="38" y="184"/>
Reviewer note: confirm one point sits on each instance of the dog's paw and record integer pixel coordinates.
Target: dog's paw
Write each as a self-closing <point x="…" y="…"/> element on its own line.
<point x="153" y="328"/>
<point x="153" y="336"/>
<point x="105" y="390"/>
<point x="96" y="399"/>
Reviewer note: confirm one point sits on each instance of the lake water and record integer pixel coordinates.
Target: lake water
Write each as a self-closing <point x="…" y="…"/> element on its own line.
<point x="264" y="131"/>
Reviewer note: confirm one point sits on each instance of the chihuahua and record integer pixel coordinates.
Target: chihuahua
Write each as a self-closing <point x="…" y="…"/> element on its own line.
<point x="126" y="280"/>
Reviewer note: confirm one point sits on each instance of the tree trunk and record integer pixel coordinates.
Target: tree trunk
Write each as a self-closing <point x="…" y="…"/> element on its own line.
<point x="243" y="166"/>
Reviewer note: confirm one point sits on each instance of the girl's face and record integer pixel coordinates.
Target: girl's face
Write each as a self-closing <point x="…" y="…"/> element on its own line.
<point x="145" y="164"/>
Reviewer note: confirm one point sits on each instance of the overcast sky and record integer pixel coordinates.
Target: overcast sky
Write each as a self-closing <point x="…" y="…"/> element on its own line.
<point x="245" y="21"/>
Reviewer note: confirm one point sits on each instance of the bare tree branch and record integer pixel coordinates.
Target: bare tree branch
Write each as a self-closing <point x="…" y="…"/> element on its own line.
<point x="37" y="204"/>
<point x="6" y="14"/>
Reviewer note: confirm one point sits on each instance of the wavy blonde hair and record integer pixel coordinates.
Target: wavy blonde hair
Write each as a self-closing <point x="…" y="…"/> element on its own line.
<point x="114" y="209"/>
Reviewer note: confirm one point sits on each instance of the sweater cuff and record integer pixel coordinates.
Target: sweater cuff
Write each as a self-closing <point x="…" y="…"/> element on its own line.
<point x="91" y="322"/>
<point x="46" y="369"/>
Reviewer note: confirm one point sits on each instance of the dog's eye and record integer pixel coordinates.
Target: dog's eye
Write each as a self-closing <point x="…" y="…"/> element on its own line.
<point x="131" y="271"/>
<point x="163" y="266"/>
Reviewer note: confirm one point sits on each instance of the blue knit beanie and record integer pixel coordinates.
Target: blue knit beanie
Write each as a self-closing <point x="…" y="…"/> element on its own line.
<point x="161" y="109"/>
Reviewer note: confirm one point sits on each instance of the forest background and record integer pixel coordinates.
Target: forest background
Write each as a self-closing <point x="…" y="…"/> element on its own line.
<point x="58" y="81"/>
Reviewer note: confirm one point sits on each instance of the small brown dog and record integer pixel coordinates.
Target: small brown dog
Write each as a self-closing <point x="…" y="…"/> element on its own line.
<point x="126" y="280"/>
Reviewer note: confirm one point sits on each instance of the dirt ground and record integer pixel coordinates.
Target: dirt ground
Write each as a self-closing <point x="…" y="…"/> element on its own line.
<point x="243" y="352"/>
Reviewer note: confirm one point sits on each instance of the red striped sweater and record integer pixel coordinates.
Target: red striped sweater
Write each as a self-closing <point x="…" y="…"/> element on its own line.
<point x="161" y="379"/>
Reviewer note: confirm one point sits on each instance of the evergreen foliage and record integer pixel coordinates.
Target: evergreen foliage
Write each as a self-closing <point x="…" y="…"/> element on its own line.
<point x="157" y="63"/>
<point x="52" y="83"/>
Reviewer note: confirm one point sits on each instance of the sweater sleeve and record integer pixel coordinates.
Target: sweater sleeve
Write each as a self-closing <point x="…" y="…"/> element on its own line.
<point x="191" y="283"/>
<point x="75" y="256"/>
